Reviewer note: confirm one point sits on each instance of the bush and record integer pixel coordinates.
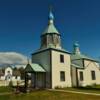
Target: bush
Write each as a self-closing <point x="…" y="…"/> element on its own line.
<point x="10" y="84"/>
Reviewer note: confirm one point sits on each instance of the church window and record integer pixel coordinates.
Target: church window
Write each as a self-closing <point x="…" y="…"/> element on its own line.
<point x="8" y="72"/>
<point x="62" y="58"/>
<point x="44" y="40"/>
<point x="93" y="75"/>
<point x="9" y="77"/>
<point x="15" y="77"/>
<point x="62" y="76"/>
<point x="50" y="38"/>
<point x="56" y="39"/>
<point x="81" y="76"/>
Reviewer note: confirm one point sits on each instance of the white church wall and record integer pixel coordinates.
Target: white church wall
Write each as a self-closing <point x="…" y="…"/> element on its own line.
<point x="57" y="66"/>
<point x="2" y="78"/>
<point x="89" y="66"/>
<point x="43" y="58"/>
<point x="18" y="78"/>
<point x="14" y="78"/>
<point x="73" y="76"/>
<point x="8" y="69"/>
<point x="4" y="81"/>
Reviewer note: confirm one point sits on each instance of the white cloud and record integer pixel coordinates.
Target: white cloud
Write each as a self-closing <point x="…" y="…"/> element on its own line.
<point x="12" y="58"/>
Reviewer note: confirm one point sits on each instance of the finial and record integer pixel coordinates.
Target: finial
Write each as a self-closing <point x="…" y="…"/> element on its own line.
<point x="76" y="48"/>
<point x="76" y="44"/>
<point x="50" y="8"/>
<point x="51" y="16"/>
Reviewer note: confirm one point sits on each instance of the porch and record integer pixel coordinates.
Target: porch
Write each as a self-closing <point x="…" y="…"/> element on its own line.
<point x="35" y="76"/>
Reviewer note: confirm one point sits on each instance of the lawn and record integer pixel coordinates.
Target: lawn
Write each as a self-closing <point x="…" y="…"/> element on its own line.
<point x="92" y="89"/>
<point x="4" y="89"/>
<point x="48" y="95"/>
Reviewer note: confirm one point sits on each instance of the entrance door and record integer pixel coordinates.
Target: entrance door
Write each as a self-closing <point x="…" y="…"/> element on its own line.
<point x="40" y="78"/>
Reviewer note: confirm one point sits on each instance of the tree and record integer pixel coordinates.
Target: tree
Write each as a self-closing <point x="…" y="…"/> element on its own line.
<point x="22" y="71"/>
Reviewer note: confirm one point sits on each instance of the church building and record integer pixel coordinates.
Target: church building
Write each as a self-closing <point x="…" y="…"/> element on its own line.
<point x="52" y="66"/>
<point x="85" y="70"/>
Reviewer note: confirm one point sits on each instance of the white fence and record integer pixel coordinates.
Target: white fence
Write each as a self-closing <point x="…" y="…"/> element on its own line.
<point x="6" y="83"/>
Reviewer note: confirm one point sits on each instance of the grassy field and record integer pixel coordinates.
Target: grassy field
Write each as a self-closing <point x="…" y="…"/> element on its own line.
<point x="85" y="89"/>
<point x="44" y="95"/>
<point x="48" y="95"/>
<point x="5" y="89"/>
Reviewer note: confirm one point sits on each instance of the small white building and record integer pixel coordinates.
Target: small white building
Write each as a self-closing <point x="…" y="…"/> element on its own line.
<point x="85" y="70"/>
<point x="8" y="74"/>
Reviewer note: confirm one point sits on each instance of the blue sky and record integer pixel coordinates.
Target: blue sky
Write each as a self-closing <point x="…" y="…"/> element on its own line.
<point x="23" y="21"/>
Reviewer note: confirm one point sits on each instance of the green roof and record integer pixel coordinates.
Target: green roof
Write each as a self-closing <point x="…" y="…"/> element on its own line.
<point x="77" y="66"/>
<point x="50" y="29"/>
<point x="34" y="67"/>
<point x="81" y="56"/>
<point x="75" y="57"/>
<point x="53" y="48"/>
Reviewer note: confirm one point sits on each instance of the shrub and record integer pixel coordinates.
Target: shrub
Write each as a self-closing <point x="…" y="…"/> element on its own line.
<point x="10" y="84"/>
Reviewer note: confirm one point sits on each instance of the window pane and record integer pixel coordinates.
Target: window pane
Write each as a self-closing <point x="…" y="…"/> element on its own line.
<point x="93" y="75"/>
<point x="81" y="76"/>
<point x="62" y="58"/>
<point x="62" y="76"/>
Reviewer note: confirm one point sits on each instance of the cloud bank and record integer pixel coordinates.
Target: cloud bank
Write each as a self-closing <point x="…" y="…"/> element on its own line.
<point x="12" y="58"/>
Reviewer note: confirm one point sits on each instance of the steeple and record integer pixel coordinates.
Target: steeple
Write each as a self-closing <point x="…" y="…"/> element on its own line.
<point x="50" y="37"/>
<point x="51" y="17"/>
<point x="76" y="48"/>
<point x="50" y="27"/>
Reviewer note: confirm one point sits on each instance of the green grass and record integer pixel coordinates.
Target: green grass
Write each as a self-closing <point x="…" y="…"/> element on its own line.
<point x="4" y="97"/>
<point x="83" y="89"/>
<point x="48" y="95"/>
<point x="5" y="89"/>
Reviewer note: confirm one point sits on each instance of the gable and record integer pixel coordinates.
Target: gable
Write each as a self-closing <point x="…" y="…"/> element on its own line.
<point x="34" y="68"/>
<point x="88" y="63"/>
<point x="78" y="62"/>
<point x="28" y="68"/>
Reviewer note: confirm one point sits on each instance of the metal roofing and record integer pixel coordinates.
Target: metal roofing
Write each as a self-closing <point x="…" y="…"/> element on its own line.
<point x="81" y="56"/>
<point x="75" y="57"/>
<point x="53" y="48"/>
<point x="77" y="66"/>
<point x="34" y="67"/>
<point x="51" y="16"/>
<point x="50" y="29"/>
<point x="76" y="44"/>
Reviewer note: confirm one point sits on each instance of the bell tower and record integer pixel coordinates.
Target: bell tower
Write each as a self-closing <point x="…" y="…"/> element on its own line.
<point x="50" y="37"/>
